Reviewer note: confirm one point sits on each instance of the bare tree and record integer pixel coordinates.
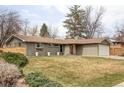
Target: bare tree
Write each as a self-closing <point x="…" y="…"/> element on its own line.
<point x="10" y="23"/>
<point x="84" y="23"/>
<point x="33" y="31"/>
<point x="25" y="26"/>
<point x="93" y="23"/>
<point x="53" y="31"/>
<point x="119" y="33"/>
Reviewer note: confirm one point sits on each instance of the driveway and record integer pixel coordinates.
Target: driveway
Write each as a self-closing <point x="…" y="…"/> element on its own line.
<point x="115" y="57"/>
<point x="119" y="85"/>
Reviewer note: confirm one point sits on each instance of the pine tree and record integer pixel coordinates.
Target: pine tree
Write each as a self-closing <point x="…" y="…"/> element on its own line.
<point x="75" y="22"/>
<point x="44" y="31"/>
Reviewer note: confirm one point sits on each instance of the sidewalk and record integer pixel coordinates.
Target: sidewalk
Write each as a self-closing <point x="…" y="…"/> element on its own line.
<point x="119" y="85"/>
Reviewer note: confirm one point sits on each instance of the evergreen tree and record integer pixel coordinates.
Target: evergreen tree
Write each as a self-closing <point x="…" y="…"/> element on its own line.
<point x="75" y="22"/>
<point x="44" y="31"/>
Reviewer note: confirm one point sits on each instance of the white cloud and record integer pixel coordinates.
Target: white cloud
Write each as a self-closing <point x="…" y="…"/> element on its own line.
<point x="113" y="16"/>
<point x="62" y="8"/>
<point x="29" y="15"/>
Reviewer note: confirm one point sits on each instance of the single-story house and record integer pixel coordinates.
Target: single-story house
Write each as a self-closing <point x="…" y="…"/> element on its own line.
<point x="38" y="46"/>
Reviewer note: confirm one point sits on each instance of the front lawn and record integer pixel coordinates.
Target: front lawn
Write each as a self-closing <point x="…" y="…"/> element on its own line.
<point x="78" y="71"/>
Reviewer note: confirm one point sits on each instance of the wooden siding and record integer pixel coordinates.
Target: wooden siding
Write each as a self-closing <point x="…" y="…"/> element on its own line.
<point x="15" y="50"/>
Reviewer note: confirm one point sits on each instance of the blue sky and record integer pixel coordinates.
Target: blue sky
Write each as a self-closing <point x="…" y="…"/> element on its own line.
<point x="55" y="15"/>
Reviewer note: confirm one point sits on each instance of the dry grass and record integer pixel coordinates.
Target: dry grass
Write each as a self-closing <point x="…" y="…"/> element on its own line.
<point x="76" y="70"/>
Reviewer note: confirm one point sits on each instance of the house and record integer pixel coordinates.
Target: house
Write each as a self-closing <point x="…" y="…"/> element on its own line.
<point x="39" y="46"/>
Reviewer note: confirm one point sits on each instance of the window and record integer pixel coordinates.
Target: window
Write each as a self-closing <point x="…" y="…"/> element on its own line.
<point x="56" y="45"/>
<point x="39" y="45"/>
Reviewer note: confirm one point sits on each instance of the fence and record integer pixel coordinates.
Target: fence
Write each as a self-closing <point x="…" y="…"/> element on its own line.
<point x="116" y="50"/>
<point x="15" y="50"/>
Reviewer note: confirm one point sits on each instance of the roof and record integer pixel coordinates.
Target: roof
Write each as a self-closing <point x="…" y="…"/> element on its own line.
<point x="38" y="39"/>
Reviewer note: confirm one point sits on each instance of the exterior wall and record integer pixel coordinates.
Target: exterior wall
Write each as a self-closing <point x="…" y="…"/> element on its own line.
<point x="15" y="42"/>
<point x="79" y="49"/>
<point x="74" y="49"/>
<point x="53" y="50"/>
<point x="67" y="50"/>
<point x="32" y="49"/>
<point x="16" y="45"/>
<point x="90" y="50"/>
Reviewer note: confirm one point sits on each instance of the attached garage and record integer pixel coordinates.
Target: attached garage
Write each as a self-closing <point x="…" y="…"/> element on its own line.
<point x="90" y="50"/>
<point x="89" y="47"/>
<point x="95" y="50"/>
<point x="98" y="49"/>
<point x="103" y="50"/>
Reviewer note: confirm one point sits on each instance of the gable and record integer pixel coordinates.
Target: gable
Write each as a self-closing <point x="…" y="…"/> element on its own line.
<point x="13" y="41"/>
<point x="105" y="42"/>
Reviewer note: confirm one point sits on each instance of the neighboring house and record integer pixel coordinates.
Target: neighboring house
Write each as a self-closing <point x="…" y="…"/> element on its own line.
<point x="36" y="45"/>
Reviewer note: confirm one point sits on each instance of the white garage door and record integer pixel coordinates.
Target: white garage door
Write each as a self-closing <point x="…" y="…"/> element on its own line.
<point x="103" y="50"/>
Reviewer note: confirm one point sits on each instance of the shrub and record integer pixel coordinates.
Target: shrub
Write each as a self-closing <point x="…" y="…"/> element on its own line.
<point x="15" y="58"/>
<point x="40" y="80"/>
<point x="9" y="74"/>
<point x="53" y="84"/>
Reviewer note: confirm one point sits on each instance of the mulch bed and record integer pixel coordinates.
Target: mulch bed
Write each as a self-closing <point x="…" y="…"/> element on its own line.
<point x="21" y="83"/>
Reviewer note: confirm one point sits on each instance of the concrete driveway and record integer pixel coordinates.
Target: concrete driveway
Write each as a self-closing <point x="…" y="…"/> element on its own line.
<point x="114" y="57"/>
<point x="119" y="85"/>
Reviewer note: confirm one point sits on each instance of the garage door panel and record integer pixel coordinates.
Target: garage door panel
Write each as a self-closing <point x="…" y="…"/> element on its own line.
<point x="103" y="50"/>
<point x="90" y="50"/>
